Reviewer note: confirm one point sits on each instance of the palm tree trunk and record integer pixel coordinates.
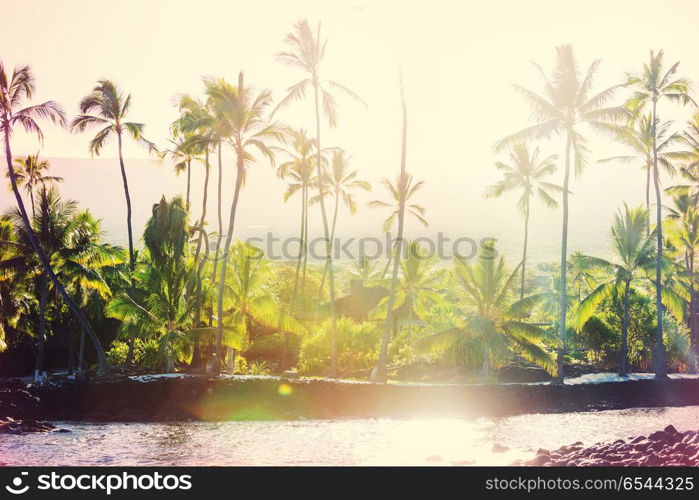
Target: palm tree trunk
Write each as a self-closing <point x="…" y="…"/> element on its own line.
<point x="132" y="264"/>
<point x="220" y="217"/>
<point x="102" y="368"/>
<point x="378" y="374"/>
<point x="81" y="351"/>
<point x="305" y="242"/>
<point x="328" y="243"/>
<point x="31" y="197"/>
<point x="332" y="241"/>
<point x="189" y="180"/>
<point x="224" y="264"/>
<point x="205" y="197"/>
<point x="524" y="250"/>
<point x="299" y="260"/>
<point x="648" y="169"/>
<point x="560" y="375"/>
<point x="692" y="318"/>
<point x="127" y="195"/>
<point x="659" y="358"/>
<point x="623" y="354"/>
<point x="41" y="341"/>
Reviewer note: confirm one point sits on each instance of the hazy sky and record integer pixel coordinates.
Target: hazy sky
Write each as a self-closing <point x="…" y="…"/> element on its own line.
<point x="459" y="60"/>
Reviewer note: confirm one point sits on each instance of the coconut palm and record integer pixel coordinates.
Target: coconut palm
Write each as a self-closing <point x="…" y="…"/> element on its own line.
<point x="566" y="104"/>
<point x="183" y="152"/>
<point x="70" y="241"/>
<point x="306" y="52"/>
<point x="107" y="108"/>
<point x="341" y="182"/>
<point x="483" y="329"/>
<point x="638" y="138"/>
<point x="13" y="92"/>
<point x="683" y="233"/>
<point x="250" y="132"/>
<point x="417" y="291"/>
<point x="634" y="249"/>
<point x="652" y="85"/>
<point x="29" y="172"/>
<point x="526" y="173"/>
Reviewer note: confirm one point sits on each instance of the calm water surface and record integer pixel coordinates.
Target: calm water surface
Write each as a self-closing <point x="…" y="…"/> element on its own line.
<point x="332" y="442"/>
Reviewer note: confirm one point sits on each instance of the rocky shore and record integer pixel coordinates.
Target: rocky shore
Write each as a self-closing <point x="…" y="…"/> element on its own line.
<point x="667" y="447"/>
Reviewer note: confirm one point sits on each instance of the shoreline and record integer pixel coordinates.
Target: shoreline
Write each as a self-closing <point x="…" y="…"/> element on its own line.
<point x="184" y="397"/>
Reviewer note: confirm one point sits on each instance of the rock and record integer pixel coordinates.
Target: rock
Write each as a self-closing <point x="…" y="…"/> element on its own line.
<point x="12" y="426"/>
<point x="670" y="429"/>
<point x="522" y="374"/>
<point x="659" y="436"/>
<point x="638" y="439"/>
<point x="498" y="448"/>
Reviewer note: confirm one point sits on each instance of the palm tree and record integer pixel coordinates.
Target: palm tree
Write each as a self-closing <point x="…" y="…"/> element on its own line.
<point x="13" y="91"/>
<point x="306" y="52"/>
<point x="341" y="181"/>
<point x="417" y="290"/>
<point x="635" y="253"/>
<point x="565" y="104"/>
<point x="526" y="173"/>
<point x="183" y="152"/>
<point x="106" y="107"/>
<point x="29" y="172"/>
<point x="684" y="234"/>
<point x="250" y="130"/>
<point x="299" y="171"/>
<point x="483" y="329"/>
<point x="401" y="192"/>
<point x="70" y="241"/>
<point x="652" y="85"/>
<point x="638" y="137"/>
<point x="249" y="298"/>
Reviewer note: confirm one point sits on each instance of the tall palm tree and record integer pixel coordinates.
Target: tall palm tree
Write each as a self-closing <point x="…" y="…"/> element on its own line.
<point x="638" y="138"/>
<point x="183" y="152"/>
<point x="306" y="52"/>
<point x="106" y="107"/>
<point x="401" y="193"/>
<point x="566" y="104"/>
<point x="29" y="172"/>
<point x="635" y="252"/>
<point x="651" y="86"/>
<point x="526" y="172"/>
<point x="246" y="110"/>
<point x="341" y="181"/>
<point x="13" y="91"/>
<point x="484" y="329"/>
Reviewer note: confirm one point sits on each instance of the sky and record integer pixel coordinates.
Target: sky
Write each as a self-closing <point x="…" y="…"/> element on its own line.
<point x="459" y="60"/>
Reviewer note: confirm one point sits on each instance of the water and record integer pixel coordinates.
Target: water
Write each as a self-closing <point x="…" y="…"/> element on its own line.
<point x="333" y="442"/>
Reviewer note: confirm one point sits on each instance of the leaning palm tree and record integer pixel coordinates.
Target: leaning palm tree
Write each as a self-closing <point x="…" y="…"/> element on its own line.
<point x="70" y="241"/>
<point x="564" y="106"/>
<point x="250" y="131"/>
<point x="638" y="138"/>
<point x="306" y="52"/>
<point x="652" y="85"/>
<point x="341" y="181"/>
<point x="635" y="252"/>
<point x="106" y="107"/>
<point x="13" y="91"/>
<point x="526" y="173"/>
<point x="29" y="172"/>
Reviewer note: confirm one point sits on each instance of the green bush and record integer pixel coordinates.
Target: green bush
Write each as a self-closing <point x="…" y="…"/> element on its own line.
<point x="357" y="345"/>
